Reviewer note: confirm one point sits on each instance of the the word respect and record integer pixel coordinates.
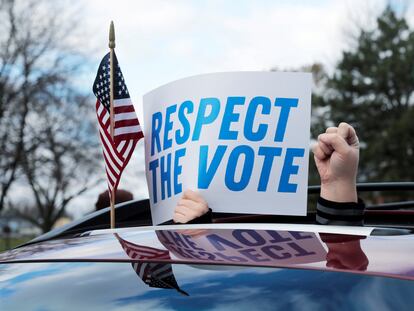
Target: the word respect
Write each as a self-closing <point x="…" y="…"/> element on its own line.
<point x="194" y="120"/>
<point x="243" y="246"/>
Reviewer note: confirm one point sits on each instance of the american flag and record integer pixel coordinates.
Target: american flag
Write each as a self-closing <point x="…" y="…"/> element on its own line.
<point x="127" y="130"/>
<point x="159" y="275"/>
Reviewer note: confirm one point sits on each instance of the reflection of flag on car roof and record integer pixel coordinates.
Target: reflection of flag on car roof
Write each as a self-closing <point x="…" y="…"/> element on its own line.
<point x="154" y="274"/>
<point x="127" y="131"/>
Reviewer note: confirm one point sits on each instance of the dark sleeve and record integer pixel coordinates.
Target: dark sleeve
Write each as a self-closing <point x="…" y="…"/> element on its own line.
<point x="207" y="218"/>
<point x="340" y="213"/>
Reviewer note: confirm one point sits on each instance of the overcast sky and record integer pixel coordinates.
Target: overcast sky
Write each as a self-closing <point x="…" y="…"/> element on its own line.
<point x="159" y="41"/>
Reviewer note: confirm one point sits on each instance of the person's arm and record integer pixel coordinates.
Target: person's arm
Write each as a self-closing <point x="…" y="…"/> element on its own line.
<point x="336" y="157"/>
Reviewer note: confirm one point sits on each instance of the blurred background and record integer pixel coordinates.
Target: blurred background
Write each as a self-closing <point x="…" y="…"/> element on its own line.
<point x="361" y="54"/>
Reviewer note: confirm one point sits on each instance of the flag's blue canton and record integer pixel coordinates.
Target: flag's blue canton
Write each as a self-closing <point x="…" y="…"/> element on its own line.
<point x="101" y="86"/>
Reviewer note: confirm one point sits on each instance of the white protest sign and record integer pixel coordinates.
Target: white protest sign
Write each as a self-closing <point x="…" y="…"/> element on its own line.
<point x="264" y="247"/>
<point x="241" y="139"/>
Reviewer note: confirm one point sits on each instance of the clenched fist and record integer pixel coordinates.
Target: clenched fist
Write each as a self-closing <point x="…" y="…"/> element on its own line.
<point x="336" y="156"/>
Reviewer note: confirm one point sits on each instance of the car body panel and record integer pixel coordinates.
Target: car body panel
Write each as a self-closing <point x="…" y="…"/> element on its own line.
<point x="244" y="245"/>
<point x="116" y="286"/>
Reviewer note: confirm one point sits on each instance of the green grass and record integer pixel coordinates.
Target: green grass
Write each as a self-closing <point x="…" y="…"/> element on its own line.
<point x="13" y="242"/>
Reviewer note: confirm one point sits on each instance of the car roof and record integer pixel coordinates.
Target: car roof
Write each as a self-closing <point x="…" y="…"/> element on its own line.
<point x="363" y="250"/>
<point x="137" y="213"/>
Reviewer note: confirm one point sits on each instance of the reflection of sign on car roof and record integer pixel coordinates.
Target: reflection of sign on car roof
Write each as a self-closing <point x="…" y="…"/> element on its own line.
<point x="242" y="139"/>
<point x="263" y="247"/>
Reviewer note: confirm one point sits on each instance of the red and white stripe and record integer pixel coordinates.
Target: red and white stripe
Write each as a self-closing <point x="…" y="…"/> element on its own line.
<point x="117" y="152"/>
<point x="139" y="252"/>
<point x="126" y="121"/>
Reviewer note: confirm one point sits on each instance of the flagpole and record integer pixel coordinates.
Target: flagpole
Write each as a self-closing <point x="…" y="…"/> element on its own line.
<point x="112" y="122"/>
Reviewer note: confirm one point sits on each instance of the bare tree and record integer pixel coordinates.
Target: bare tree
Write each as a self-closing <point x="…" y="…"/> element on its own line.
<point x="44" y="123"/>
<point x="60" y="158"/>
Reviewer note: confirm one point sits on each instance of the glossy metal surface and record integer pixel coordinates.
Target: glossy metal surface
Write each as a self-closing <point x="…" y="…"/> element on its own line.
<point x="116" y="286"/>
<point x="377" y="255"/>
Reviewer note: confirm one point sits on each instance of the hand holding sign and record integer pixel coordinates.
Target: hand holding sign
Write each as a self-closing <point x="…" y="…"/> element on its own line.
<point x="189" y="207"/>
<point x="336" y="157"/>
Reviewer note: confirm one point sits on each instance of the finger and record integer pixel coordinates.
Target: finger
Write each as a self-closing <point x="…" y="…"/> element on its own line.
<point x="318" y="161"/>
<point x="183" y="214"/>
<point x="192" y="195"/>
<point x="179" y="218"/>
<point x="327" y="149"/>
<point x="183" y="210"/>
<point x="196" y="206"/>
<point x="348" y="133"/>
<point x="188" y="203"/>
<point x="332" y="129"/>
<point x="337" y="142"/>
<point x="319" y="154"/>
<point x="352" y="137"/>
<point x="321" y="150"/>
<point x="188" y="212"/>
<point x="343" y="130"/>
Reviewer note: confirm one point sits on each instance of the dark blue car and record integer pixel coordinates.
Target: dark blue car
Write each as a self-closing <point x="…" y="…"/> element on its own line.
<point x="257" y="263"/>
